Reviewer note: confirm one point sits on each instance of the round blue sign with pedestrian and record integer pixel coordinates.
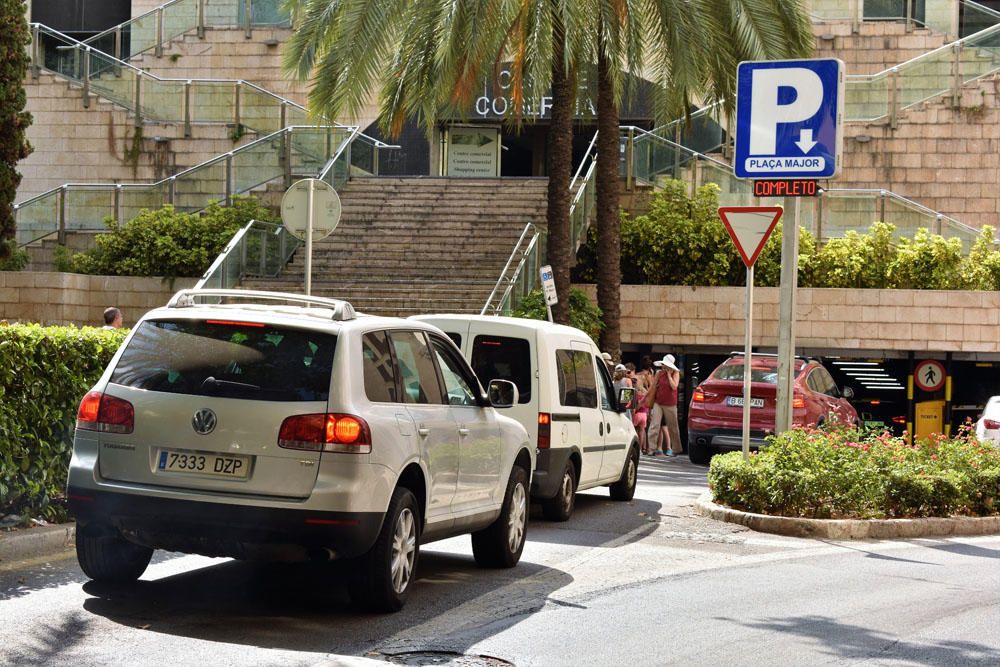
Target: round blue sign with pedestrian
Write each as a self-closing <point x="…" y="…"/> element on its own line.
<point x="788" y="118"/>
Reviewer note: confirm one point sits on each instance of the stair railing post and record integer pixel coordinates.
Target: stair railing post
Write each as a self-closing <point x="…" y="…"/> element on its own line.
<point x="138" y="98"/>
<point x="158" y="50"/>
<point x="286" y="156"/>
<point x="881" y="205"/>
<point x="262" y="249"/>
<point x="117" y="204"/>
<point x="629" y="154"/>
<point x="172" y="190"/>
<point x="229" y="179"/>
<point x="956" y="71"/>
<point x="61" y="202"/>
<point x="894" y="98"/>
<point x="36" y="52"/>
<point x="237" y="119"/>
<point x="187" y="108"/>
<point x="819" y="219"/>
<point x="201" y="19"/>
<point x="247" y="18"/>
<point x="283" y="114"/>
<point x="909" y="15"/>
<point x="938" y="224"/>
<point x="375" y="156"/>
<point x="118" y="46"/>
<point x="677" y="153"/>
<point x="856" y="11"/>
<point x="86" y="77"/>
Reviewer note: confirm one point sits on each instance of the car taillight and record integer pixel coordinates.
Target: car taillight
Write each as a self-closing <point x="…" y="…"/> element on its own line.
<point x="107" y="414"/>
<point x="544" y="430"/>
<point x="698" y="396"/>
<point x="798" y="402"/>
<point x="991" y="424"/>
<point x="326" y="433"/>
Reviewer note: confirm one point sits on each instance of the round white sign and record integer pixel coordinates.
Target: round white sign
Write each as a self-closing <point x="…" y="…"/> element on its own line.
<point x="929" y="375"/>
<point x="325" y="209"/>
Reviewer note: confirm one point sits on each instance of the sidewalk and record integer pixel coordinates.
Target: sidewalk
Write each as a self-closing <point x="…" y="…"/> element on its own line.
<point x="37" y="542"/>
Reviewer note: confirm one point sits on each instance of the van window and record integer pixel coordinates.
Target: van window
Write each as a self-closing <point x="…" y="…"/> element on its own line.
<point x="456" y="338"/>
<point x="228" y="359"/>
<point x="577" y="382"/>
<point x="503" y="358"/>
<point x="380" y="374"/>
<point x="417" y="372"/>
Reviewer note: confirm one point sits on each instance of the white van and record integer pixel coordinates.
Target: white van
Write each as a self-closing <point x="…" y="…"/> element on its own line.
<point x="566" y="402"/>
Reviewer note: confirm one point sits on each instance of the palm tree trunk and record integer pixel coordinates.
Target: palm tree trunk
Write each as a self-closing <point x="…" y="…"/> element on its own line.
<point x="560" y="165"/>
<point x="609" y="276"/>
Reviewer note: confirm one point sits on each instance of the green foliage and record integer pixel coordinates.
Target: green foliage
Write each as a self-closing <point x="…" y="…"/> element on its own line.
<point x="681" y="241"/>
<point x="583" y="314"/>
<point x="167" y="243"/>
<point x="16" y="259"/>
<point x="44" y="373"/>
<point x="838" y="473"/>
<point x="14" y="145"/>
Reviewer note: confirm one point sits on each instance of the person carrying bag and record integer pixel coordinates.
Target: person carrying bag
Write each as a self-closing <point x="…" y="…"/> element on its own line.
<point x="662" y="398"/>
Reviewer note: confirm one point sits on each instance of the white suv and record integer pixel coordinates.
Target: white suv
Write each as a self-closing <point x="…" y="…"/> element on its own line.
<point x="291" y="428"/>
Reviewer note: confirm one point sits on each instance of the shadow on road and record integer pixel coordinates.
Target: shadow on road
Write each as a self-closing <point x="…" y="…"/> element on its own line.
<point x="856" y="642"/>
<point x="597" y="521"/>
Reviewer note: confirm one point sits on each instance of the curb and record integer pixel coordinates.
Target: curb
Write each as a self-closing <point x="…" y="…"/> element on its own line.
<point x="850" y="529"/>
<point x="36" y="542"/>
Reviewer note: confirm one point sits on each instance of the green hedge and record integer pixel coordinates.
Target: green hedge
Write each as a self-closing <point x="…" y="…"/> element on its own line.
<point x="844" y="473"/>
<point x="44" y="373"/>
<point x="681" y="241"/>
<point x="165" y="242"/>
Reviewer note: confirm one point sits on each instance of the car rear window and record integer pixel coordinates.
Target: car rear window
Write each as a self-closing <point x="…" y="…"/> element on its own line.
<point x="228" y="359"/>
<point x="503" y="358"/>
<point x="734" y="372"/>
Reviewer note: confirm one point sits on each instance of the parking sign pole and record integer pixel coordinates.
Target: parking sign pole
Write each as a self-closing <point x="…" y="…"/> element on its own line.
<point x="747" y="352"/>
<point x="786" y="315"/>
<point x="309" y="237"/>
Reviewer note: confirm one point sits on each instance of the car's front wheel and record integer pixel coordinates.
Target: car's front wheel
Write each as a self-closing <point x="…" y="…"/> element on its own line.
<point x="624" y="488"/>
<point x="500" y="544"/>
<point x="560" y="507"/>
<point x="384" y="577"/>
<point x="109" y="558"/>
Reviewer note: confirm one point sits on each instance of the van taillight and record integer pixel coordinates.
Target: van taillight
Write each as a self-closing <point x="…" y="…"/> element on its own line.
<point x="698" y="396"/>
<point x="544" y="430"/>
<point x="326" y="433"/>
<point x="104" y="413"/>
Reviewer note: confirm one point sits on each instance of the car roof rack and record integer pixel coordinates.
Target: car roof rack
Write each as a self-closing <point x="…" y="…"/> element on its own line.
<point x="186" y="298"/>
<point x="768" y="354"/>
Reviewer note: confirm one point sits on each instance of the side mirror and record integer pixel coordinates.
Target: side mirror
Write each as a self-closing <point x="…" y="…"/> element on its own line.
<point x="847" y="393"/>
<point x="626" y="397"/>
<point x="502" y="393"/>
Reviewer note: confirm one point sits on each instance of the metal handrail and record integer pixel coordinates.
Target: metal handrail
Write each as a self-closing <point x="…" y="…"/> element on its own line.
<point x="908" y="202"/>
<point x="518" y="274"/>
<point x="530" y="227"/>
<point x="583" y="161"/>
<point x="220" y="260"/>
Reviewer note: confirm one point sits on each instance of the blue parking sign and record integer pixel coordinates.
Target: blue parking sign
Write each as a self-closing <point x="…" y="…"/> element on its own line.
<point x="788" y="118"/>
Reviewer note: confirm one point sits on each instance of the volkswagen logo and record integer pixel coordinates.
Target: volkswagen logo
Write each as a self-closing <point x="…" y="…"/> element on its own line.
<point x="204" y="421"/>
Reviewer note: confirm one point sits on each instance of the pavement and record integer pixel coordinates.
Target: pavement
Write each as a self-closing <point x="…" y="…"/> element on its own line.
<point x="25" y="544"/>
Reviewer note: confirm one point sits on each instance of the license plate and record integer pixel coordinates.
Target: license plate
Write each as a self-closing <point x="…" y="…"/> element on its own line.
<point x="204" y="463"/>
<point x="738" y="401"/>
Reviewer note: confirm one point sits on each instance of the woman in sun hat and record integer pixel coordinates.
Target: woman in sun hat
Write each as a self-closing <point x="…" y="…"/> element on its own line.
<point x="664" y="408"/>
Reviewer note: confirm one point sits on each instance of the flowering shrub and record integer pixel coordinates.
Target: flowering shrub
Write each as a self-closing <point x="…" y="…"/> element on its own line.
<point x="847" y="473"/>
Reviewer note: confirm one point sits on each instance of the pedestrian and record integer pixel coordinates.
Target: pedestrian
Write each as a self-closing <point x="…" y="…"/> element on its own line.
<point x="664" y="409"/>
<point x="112" y="318"/>
<point x="640" y="413"/>
<point x="608" y="361"/>
<point x="621" y="380"/>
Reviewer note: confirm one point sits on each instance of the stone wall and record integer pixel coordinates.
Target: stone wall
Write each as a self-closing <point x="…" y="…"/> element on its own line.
<point x="68" y="298"/>
<point x="827" y="319"/>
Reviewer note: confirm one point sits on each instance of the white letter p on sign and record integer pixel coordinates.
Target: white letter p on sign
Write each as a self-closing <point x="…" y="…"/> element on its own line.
<point x="767" y="113"/>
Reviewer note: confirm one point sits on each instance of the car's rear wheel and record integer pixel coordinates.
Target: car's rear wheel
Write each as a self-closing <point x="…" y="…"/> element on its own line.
<point x="698" y="453"/>
<point x="560" y="507"/>
<point x="500" y="544"/>
<point x="624" y="488"/>
<point x="384" y="577"/>
<point x="109" y="558"/>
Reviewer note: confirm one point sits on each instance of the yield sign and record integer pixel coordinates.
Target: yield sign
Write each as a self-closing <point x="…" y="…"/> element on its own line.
<point x="750" y="227"/>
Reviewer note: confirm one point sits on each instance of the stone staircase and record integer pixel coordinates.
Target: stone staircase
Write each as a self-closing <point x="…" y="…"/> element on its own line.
<point x="417" y="245"/>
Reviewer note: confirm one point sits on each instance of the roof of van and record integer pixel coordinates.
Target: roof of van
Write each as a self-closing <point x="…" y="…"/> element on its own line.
<point x="521" y="322"/>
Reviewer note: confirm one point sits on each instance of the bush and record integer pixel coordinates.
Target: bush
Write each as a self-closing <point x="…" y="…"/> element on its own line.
<point x="44" y="373"/>
<point x="841" y="472"/>
<point x="166" y="242"/>
<point x="583" y="314"/>
<point x="16" y="259"/>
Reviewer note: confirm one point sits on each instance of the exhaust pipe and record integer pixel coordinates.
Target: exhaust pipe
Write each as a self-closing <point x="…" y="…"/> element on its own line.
<point x="321" y="555"/>
<point x="702" y="441"/>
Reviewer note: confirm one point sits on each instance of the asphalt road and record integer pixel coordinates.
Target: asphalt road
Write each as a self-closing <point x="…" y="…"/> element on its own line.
<point x="642" y="583"/>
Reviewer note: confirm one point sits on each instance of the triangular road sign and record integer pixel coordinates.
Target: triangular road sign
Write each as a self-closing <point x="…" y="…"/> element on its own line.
<point x="750" y="227"/>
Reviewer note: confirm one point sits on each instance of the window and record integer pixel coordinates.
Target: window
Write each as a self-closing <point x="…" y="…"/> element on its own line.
<point x="457" y="387"/>
<point x="577" y="385"/>
<point x="380" y="374"/>
<point x="233" y="360"/>
<point x="605" y="384"/>
<point x="825" y="380"/>
<point x="456" y="338"/>
<point x="417" y="373"/>
<point x="503" y="358"/>
<point x="734" y="373"/>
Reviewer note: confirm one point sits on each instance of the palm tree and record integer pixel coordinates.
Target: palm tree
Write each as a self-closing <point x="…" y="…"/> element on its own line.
<point x="690" y="48"/>
<point x="426" y="59"/>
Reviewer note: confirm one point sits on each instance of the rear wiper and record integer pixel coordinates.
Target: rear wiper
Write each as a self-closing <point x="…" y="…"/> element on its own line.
<point x="211" y="384"/>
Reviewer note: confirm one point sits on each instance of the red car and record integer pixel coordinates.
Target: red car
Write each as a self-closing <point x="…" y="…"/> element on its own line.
<point x="715" y="417"/>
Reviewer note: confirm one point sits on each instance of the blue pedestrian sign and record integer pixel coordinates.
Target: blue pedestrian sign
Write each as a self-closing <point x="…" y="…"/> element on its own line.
<point x="788" y="118"/>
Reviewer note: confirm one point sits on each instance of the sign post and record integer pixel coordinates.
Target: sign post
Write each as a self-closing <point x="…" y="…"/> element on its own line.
<point x="548" y="288"/>
<point x="788" y="126"/>
<point x="750" y="227"/>
<point x="310" y="210"/>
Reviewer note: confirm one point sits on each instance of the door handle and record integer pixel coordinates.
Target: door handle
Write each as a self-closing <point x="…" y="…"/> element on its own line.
<point x="600" y="429"/>
<point x="423" y="430"/>
<point x="463" y="431"/>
